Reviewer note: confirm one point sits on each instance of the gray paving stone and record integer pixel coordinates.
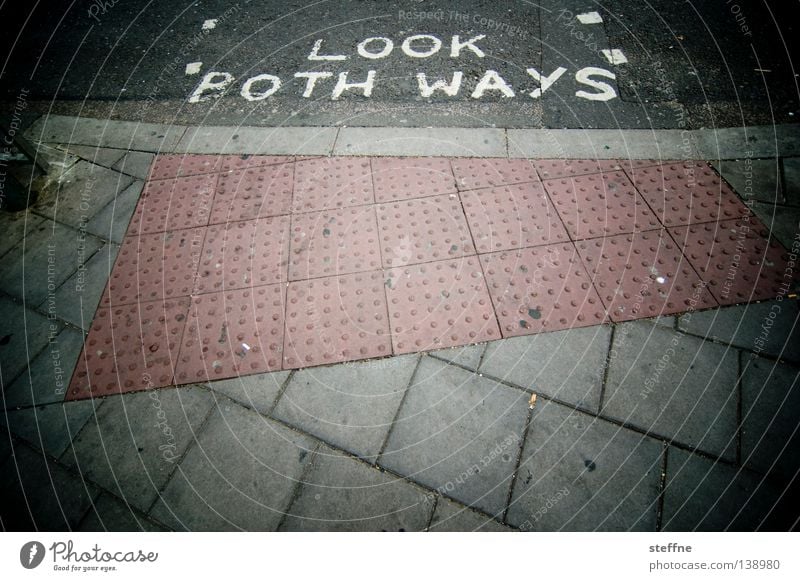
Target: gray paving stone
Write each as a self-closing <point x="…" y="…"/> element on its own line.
<point x="579" y="473"/>
<point x="112" y="221"/>
<point x="770" y="417"/>
<point x="48" y="256"/>
<point x="350" y="405"/>
<point x="49" y="428"/>
<point x="133" y="444"/>
<point x="49" y="374"/>
<point x="738" y="142"/>
<point x="259" y="140"/>
<point x="769" y="328"/>
<point x="782" y="221"/>
<point x="468" y="356"/>
<point x="240" y="474"/>
<point x="13" y="226"/>
<point x="81" y="193"/>
<point x="111" y="514"/>
<point x="343" y="494"/>
<point x="701" y="495"/>
<point x="24" y="334"/>
<point x="791" y="180"/>
<point x="39" y="494"/>
<point x="567" y="365"/>
<point x="675" y="386"/>
<point x="423" y="141"/>
<point x="97" y="155"/>
<point x="257" y="392"/>
<point x="136" y="164"/>
<point x="452" y="517"/>
<point x="458" y="433"/>
<point x="753" y="179"/>
<point x="105" y="133"/>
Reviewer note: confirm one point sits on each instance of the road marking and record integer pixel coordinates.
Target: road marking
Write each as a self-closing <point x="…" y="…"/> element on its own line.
<point x="614" y="56"/>
<point x="210" y="24"/>
<point x="193" y="68"/>
<point x="451" y="89"/>
<point x="590" y="18"/>
<point x="342" y="85"/>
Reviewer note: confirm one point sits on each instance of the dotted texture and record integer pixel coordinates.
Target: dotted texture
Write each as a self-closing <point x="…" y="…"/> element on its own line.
<point x="564" y="168"/>
<point x="473" y="173"/>
<point x="166" y="166"/>
<point x="253" y="193"/>
<point x="404" y="178"/>
<point x="332" y="182"/>
<point x="174" y="204"/>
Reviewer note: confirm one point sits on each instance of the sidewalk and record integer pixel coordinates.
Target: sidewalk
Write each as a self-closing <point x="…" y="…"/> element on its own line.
<point x="356" y="320"/>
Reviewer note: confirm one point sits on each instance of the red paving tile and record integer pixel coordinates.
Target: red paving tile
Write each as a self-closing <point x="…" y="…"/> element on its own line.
<point x="258" y="192"/>
<point x="173" y="204"/>
<point x="230" y="163"/>
<point x="334" y="242"/>
<point x="600" y="205"/>
<point x="130" y="348"/>
<point x="643" y="275"/>
<point x="404" y="178"/>
<point x="473" y="173"/>
<point x="423" y="230"/>
<point x="541" y="289"/>
<point x="510" y="217"/>
<point x="340" y="318"/>
<point x="232" y="333"/>
<point x="439" y="304"/>
<point x="564" y="168"/>
<point x="166" y="166"/>
<point x="332" y="182"/>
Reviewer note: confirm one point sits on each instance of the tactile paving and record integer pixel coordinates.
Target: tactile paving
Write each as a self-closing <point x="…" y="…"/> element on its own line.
<point x="423" y="230"/>
<point x="253" y="193"/>
<point x="230" y="163"/>
<point x="687" y="193"/>
<point x="167" y="166"/>
<point x="473" y="173"/>
<point x="643" y="275"/>
<point x="173" y="204"/>
<point x="334" y="242"/>
<point x="244" y="254"/>
<point x="154" y="266"/>
<point x="439" y="304"/>
<point x="232" y="333"/>
<point x="564" y="168"/>
<point x="334" y="319"/>
<point x="737" y="261"/>
<point x="404" y="178"/>
<point x="332" y="182"/>
<point x="510" y="217"/>
<point x="541" y="289"/>
<point x="600" y="205"/>
<point x="130" y="348"/>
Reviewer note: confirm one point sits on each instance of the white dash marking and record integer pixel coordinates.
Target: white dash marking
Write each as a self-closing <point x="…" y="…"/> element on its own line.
<point x="614" y="56"/>
<point x="590" y="18"/>
<point x="193" y="68"/>
<point x="210" y="24"/>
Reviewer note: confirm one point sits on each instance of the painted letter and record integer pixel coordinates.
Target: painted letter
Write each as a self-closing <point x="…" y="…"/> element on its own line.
<point x="545" y="82"/>
<point x="451" y="90"/>
<point x="388" y="45"/>
<point x="315" y="56"/>
<point x="312" y="81"/>
<point x="434" y="48"/>
<point x="606" y="93"/>
<point x="342" y="85"/>
<point x="491" y="81"/>
<point x="213" y="81"/>
<point x="456" y="46"/>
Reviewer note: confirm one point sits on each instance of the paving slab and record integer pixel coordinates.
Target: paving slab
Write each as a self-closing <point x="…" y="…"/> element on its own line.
<point x="110" y="514"/>
<point x="449" y="516"/>
<point x="549" y="169"/>
<point x="257" y="392"/>
<point x="174" y="165"/>
<point x="258" y="140"/>
<point x="404" y="178"/>
<point x="49" y="428"/>
<point x="15" y="225"/>
<point x="753" y="179"/>
<point x="111" y="222"/>
<point x="674" y="386"/>
<point x="468" y="356"/>
<point x="331" y="182"/>
<point x="474" y="173"/>
<point x="351" y="406"/>
<point x="783" y="222"/>
<point x="135" y="442"/>
<point x="173" y="204"/>
<point x="256" y="192"/>
<point x="105" y="133"/>
<point x="25" y="333"/>
<point x="579" y="473"/>
<point x="759" y="142"/>
<point x="423" y="142"/>
<point x="791" y="180"/>
<point x="135" y="163"/>
<point x="343" y="494"/>
<point x="239" y="475"/>
<point x="104" y="156"/>
<point x="458" y="433"/>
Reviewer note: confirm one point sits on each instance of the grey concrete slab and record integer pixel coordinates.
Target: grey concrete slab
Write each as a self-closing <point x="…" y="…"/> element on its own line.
<point x="49" y="428"/>
<point x="111" y="514"/>
<point x="567" y="365"/>
<point x="783" y="221"/>
<point x="135" y="441"/>
<point x="136" y="164"/>
<point x="47" y="378"/>
<point x="81" y="192"/>
<point x="350" y="405"/>
<point x="701" y="495"/>
<point x="450" y="516"/>
<point x="468" y="356"/>
<point x="458" y="433"/>
<point x="48" y="256"/>
<point x="14" y="226"/>
<point x="791" y="180"/>
<point x="757" y="142"/>
<point x="408" y="141"/>
<point x="256" y="392"/>
<point x="753" y="179"/>
<point x="674" y="386"/>
<point x="664" y="321"/>
<point x="39" y="494"/>
<point x="579" y="473"/>
<point x="259" y="140"/>
<point x="25" y="333"/>
<point x="770" y="417"/>
<point x="240" y="474"/>
<point x="769" y="328"/>
<point x="97" y="155"/>
<point x="343" y="494"/>
<point x="111" y="222"/>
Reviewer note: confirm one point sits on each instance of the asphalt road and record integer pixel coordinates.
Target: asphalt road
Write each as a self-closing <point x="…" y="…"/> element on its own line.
<point x="553" y="63"/>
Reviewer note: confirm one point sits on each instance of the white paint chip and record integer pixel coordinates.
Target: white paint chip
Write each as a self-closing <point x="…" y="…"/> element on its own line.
<point x="590" y="18"/>
<point x="614" y="56"/>
<point x="210" y="24"/>
<point x="193" y="68"/>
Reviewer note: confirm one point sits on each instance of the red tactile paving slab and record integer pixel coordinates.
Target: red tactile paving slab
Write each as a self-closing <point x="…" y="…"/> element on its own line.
<point x="154" y="266"/>
<point x="232" y="333"/>
<point x="509" y="217"/>
<point x="736" y="260"/>
<point x="423" y="230"/>
<point x="541" y="289"/>
<point x="687" y="193"/>
<point x="244" y="254"/>
<point x="643" y="275"/>
<point x="563" y="168"/>
<point x="473" y="173"/>
<point x="334" y="319"/>
<point x="253" y="193"/>
<point x="600" y="205"/>
<point x="404" y="178"/>
<point x="439" y="304"/>
<point x="230" y="163"/>
<point x="334" y="242"/>
<point x="332" y="182"/>
<point x="166" y="166"/>
<point x="173" y="204"/>
<point x="130" y="348"/>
